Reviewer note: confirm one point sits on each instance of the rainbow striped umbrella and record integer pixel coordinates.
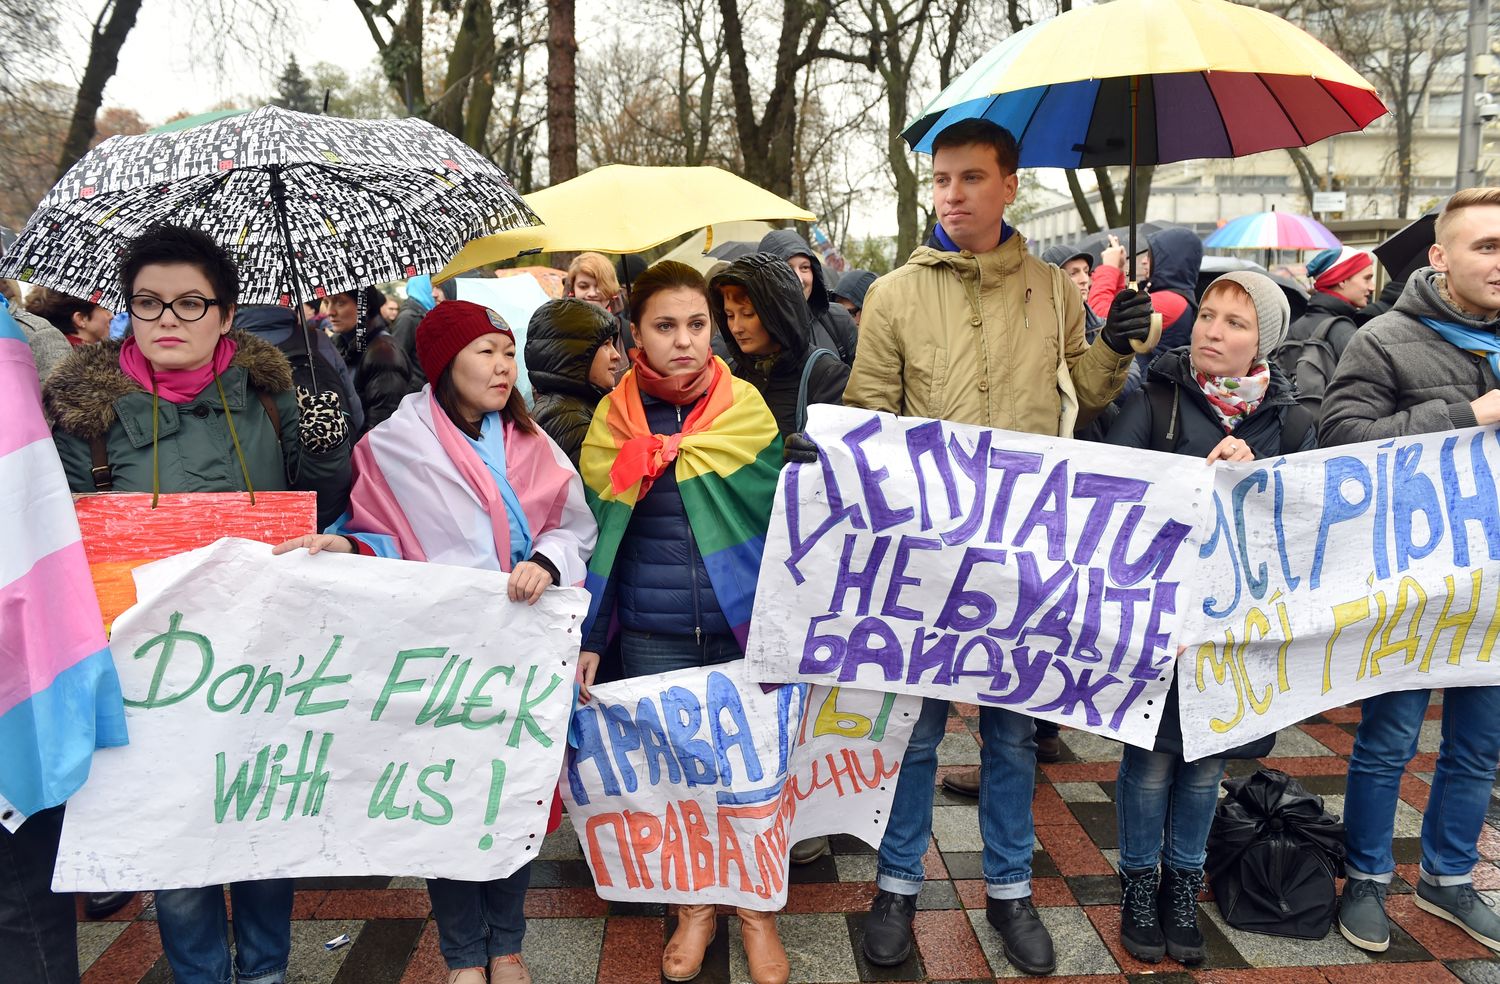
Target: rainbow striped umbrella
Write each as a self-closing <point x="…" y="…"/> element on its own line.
<point x="1198" y="78"/>
<point x="1273" y="230"/>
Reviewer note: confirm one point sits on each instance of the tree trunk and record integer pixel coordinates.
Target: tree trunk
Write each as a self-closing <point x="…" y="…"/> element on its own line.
<point x="104" y="60"/>
<point x="1306" y="173"/>
<point x="562" y="103"/>
<point x="1081" y="202"/>
<point x="1113" y="215"/>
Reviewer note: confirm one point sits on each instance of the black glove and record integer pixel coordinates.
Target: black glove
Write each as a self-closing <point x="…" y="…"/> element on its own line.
<point x="1129" y="320"/>
<point x="797" y="448"/>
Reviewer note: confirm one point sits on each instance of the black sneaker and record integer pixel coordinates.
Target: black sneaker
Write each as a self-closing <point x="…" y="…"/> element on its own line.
<point x="1140" y="924"/>
<point x="1177" y="907"/>
<point x="888" y="933"/>
<point x="1362" y="917"/>
<point x="1028" y="945"/>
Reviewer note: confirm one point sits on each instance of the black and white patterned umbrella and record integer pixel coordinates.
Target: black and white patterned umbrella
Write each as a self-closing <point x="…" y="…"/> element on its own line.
<point x="307" y="205"/>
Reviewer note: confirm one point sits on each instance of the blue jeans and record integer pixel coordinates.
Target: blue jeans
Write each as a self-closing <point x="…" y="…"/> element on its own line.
<point x="479" y="920"/>
<point x="646" y="653"/>
<point x="1007" y="774"/>
<point x="195" y="932"/>
<point x="38" y="931"/>
<point x="1385" y="743"/>
<point x="1159" y="796"/>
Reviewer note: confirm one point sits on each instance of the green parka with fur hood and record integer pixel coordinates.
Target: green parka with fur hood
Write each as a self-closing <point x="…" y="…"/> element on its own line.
<point x="89" y="396"/>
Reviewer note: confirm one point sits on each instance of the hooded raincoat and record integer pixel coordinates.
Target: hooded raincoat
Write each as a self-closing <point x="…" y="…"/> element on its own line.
<point x="833" y="328"/>
<point x="561" y="341"/>
<point x="776" y="294"/>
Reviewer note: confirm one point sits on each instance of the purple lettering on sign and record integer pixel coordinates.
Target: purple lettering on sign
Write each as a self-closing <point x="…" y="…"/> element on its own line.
<point x="882" y="516"/>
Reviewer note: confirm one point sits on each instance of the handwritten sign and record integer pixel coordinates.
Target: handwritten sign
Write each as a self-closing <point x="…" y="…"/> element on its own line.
<point x="329" y="715"/>
<point x="692" y="786"/>
<point x="122" y="531"/>
<point x="1004" y="569"/>
<point x="1333" y="575"/>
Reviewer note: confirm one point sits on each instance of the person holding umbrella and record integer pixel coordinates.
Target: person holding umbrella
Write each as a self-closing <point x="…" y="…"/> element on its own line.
<point x="190" y="404"/>
<point x="1430" y="364"/>
<point x="931" y="334"/>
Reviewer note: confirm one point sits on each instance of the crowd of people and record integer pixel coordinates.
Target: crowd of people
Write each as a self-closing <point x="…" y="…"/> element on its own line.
<point x="203" y="394"/>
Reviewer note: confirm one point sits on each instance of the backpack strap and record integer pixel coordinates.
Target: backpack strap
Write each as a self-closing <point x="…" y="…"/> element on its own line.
<point x="271" y="411"/>
<point x="104" y="476"/>
<point x="1294" y="428"/>
<point x="1163" y="400"/>
<point x="807" y="368"/>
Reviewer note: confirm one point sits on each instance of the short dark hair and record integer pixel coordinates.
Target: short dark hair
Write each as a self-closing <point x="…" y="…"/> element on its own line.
<point x="181" y="244"/>
<point x="660" y="276"/>
<point x="966" y="133"/>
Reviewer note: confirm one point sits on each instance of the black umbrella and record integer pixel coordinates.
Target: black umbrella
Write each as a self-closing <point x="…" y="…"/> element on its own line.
<point x="1096" y="244"/>
<point x="308" y="205"/>
<point x="1406" y="251"/>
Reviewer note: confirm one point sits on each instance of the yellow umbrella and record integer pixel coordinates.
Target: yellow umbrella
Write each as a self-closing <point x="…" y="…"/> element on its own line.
<point x="622" y="208"/>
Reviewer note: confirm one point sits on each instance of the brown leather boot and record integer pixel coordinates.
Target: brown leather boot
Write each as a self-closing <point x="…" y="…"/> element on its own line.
<point x="763" y="949"/>
<point x="964" y="783"/>
<point x="683" y="957"/>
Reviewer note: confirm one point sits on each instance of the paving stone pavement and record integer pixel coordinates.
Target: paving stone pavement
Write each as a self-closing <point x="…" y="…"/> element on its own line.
<point x="573" y="937"/>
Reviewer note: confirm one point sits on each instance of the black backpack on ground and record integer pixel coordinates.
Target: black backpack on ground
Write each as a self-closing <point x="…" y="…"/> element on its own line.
<point x="1273" y="855"/>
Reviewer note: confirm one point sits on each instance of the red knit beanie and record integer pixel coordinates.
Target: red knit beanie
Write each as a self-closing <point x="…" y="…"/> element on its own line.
<point x="450" y="326"/>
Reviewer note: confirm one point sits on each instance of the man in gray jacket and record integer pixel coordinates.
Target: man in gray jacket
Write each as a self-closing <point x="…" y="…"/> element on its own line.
<point x="1432" y="363"/>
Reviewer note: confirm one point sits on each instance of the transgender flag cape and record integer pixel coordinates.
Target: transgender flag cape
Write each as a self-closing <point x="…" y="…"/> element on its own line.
<point x="422" y="492"/>
<point x="728" y="460"/>
<point x="59" y="695"/>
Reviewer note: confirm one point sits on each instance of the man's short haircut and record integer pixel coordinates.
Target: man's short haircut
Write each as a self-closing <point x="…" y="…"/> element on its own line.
<point x="181" y="244"/>
<point x="966" y="133"/>
<point x="1467" y="198"/>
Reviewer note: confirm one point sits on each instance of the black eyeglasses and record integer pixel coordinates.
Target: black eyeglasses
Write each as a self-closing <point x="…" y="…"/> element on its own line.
<point x="185" y="309"/>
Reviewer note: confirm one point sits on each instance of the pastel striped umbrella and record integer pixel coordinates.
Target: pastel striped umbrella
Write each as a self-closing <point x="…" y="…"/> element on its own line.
<point x="1272" y="230"/>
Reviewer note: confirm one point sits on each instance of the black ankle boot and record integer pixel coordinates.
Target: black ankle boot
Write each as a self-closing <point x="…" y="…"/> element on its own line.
<point x="1177" y="905"/>
<point x="1028" y="945"/>
<point x="888" y="932"/>
<point x="1140" y="925"/>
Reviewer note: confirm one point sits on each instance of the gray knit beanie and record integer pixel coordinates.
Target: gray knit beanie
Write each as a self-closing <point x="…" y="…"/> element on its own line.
<point x="1273" y="315"/>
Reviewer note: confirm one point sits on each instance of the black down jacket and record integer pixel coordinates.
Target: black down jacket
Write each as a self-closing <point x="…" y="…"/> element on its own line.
<point x="660" y="583"/>
<point x="833" y="328"/>
<point x="382" y="376"/>
<point x="561" y="340"/>
<point x="1198" y="433"/>
<point x="776" y="294"/>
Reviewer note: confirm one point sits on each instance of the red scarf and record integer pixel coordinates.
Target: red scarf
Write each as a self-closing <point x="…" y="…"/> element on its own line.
<point x="679" y="390"/>
<point x="644" y="456"/>
<point x="175" y="385"/>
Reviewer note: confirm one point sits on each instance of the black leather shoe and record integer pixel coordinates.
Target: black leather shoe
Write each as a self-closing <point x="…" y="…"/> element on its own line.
<point x="888" y="933"/>
<point x="1028" y="945"/>
<point x="102" y="905"/>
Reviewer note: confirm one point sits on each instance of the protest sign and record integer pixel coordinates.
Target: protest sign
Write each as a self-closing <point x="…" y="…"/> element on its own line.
<point x="1332" y="575"/>
<point x="123" y="530"/>
<point x="1008" y="570"/>
<point x="328" y="715"/>
<point x="692" y="786"/>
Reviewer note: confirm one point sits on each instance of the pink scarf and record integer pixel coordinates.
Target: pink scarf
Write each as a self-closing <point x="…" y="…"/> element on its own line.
<point x="175" y="385"/>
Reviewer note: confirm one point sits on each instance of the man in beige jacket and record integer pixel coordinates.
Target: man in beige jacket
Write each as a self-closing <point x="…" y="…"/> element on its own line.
<point x="975" y="330"/>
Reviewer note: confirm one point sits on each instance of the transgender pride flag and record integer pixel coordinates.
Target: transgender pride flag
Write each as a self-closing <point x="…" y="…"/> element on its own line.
<point x="59" y="695"/>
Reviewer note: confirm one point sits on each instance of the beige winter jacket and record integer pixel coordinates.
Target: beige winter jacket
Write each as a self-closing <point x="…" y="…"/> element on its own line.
<point x="975" y="339"/>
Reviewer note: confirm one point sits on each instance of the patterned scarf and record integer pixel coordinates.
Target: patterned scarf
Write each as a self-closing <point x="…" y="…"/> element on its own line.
<point x="727" y="459"/>
<point x="1234" y="398"/>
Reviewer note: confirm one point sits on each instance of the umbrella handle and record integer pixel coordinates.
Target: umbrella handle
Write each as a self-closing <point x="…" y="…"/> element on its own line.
<point x="1153" y="338"/>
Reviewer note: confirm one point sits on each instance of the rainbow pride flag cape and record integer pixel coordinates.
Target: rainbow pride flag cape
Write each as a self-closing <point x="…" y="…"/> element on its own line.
<point x="59" y="694"/>
<point x="728" y="459"/>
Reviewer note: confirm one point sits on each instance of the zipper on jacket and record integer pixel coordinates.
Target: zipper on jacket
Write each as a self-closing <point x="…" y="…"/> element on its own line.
<point x="692" y="560"/>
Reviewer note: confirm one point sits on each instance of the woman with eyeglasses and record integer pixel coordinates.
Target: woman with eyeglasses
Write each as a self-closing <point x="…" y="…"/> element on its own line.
<point x="189" y="404"/>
